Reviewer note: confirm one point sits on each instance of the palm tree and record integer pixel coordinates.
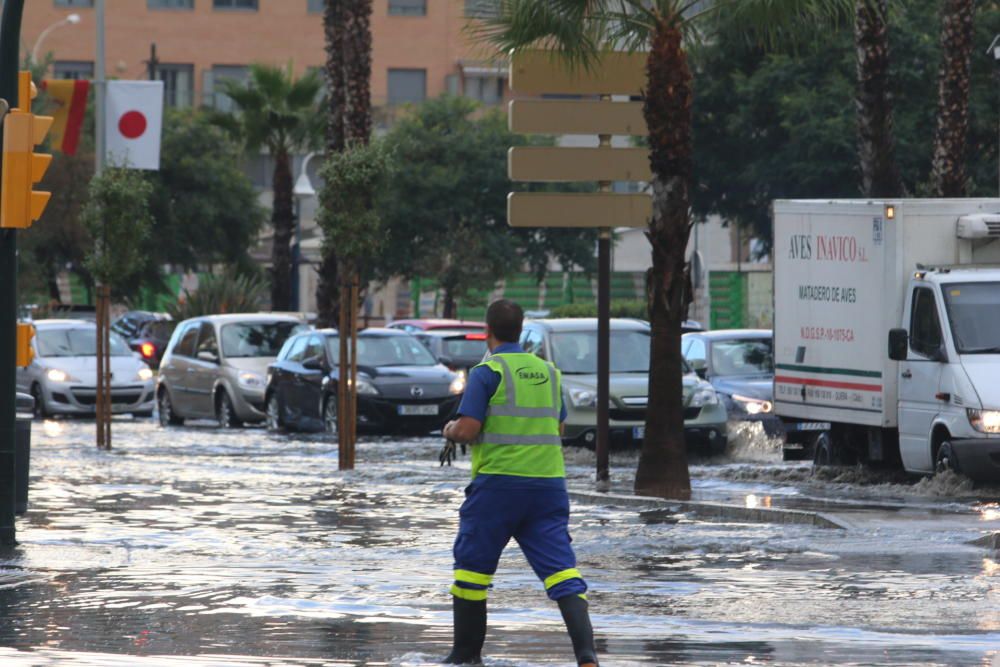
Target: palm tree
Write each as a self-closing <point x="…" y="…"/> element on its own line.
<point x="873" y="105"/>
<point x="277" y="111"/>
<point x="948" y="175"/>
<point x="581" y="30"/>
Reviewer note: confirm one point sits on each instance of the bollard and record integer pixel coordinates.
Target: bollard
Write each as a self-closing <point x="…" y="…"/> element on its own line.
<point x="22" y="451"/>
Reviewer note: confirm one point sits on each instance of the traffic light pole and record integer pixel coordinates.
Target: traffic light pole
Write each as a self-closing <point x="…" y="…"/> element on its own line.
<point x="10" y="36"/>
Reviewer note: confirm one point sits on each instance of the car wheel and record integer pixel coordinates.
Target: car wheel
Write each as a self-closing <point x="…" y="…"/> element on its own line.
<point x="41" y="411"/>
<point x="946" y="459"/>
<point x="273" y="413"/>
<point x="167" y="415"/>
<point x="330" y="414"/>
<point x="224" y="412"/>
<point x="825" y="454"/>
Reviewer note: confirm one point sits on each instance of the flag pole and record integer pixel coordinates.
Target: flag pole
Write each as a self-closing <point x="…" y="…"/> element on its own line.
<point x="100" y="134"/>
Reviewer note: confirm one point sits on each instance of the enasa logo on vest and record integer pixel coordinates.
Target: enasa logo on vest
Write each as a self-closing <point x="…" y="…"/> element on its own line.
<point x="534" y="377"/>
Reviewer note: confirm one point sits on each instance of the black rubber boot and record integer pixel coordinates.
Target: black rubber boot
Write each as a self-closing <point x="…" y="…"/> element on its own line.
<point x="470" y="632"/>
<point x="577" y="617"/>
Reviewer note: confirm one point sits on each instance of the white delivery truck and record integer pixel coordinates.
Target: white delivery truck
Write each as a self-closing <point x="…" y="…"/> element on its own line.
<point x="887" y="326"/>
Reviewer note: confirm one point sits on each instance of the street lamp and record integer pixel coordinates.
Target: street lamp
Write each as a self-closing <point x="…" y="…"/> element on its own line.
<point x="302" y="190"/>
<point x="72" y="19"/>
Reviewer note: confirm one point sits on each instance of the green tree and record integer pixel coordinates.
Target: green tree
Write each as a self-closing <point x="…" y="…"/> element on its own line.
<point x="581" y="29"/>
<point x="204" y="206"/>
<point x="449" y="199"/>
<point x="277" y="111"/>
<point x="116" y="216"/>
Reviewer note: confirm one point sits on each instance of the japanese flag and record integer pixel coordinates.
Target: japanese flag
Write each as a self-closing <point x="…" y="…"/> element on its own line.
<point x="133" y="120"/>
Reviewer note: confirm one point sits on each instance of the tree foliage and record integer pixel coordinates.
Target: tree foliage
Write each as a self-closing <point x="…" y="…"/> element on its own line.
<point x="449" y="200"/>
<point x="117" y="218"/>
<point x="229" y="292"/>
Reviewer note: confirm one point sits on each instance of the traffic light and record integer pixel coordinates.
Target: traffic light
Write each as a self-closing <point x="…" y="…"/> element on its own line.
<point x="20" y="204"/>
<point x="25" y="355"/>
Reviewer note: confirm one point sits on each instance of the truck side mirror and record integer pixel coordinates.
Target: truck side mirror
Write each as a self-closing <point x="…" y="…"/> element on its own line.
<point x="898" y="344"/>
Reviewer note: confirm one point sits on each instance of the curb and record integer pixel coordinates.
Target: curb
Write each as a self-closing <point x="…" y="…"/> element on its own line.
<point x="710" y="511"/>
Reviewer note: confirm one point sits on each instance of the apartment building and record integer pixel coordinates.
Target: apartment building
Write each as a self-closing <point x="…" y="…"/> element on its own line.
<point x="421" y="47"/>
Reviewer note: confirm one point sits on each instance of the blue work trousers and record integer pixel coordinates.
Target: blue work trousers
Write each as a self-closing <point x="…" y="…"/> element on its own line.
<point x="533" y="511"/>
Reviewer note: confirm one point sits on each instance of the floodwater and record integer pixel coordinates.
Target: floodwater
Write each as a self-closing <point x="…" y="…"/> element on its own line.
<point x="194" y="546"/>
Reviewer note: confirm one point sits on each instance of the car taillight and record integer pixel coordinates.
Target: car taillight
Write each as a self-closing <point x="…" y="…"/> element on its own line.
<point x="475" y="336"/>
<point x="148" y="350"/>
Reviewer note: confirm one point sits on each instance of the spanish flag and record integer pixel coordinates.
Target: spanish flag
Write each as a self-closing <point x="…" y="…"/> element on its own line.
<point x="69" y="99"/>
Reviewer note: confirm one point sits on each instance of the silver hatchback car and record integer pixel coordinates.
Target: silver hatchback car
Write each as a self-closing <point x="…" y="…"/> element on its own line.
<point x="216" y="367"/>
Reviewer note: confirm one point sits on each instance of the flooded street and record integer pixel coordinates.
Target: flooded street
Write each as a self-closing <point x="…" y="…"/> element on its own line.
<point x="194" y="546"/>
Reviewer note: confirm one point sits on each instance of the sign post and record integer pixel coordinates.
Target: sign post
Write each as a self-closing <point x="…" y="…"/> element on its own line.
<point x="537" y="72"/>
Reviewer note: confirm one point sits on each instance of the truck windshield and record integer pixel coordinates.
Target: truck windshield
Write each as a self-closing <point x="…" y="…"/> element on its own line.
<point x="974" y="314"/>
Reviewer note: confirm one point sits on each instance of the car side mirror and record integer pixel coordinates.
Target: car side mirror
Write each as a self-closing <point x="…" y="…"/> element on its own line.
<point x="209" y="356"/>
<point x="313" y="364"/>
<point x="899" y="342"/>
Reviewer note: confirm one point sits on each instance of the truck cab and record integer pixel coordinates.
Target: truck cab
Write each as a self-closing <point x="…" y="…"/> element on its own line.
<point x="948" y="349"/>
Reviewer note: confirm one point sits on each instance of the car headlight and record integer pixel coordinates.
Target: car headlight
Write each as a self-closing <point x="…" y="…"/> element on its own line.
<point x="250" y="380"/>
<point x="753" y="406"/>
<point x="57" y="375"/>
<point x="366" y="388"/>
<point x="984" y="421"/>
<point x="144" y="375"/>
<point x="582" y="398"/>
<point x="457" y="385"/>
<point x="703" y="397"/>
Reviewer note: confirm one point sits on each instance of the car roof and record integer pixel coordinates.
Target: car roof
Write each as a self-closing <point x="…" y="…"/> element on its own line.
<point x="444" y="333"/>
<point x="589" y="324"/>
<point x="439" y="323"/>
<point x="364" y="333"/>
<point x="245" y="317"/>
<point x="63" y="324"/>
<point x="731" y="334"/>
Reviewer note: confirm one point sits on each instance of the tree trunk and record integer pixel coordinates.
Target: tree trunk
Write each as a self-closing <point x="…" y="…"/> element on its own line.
<point x="873" y="104"/>
<point x="358" y="71"/>
<point x="328" y="289"/>
<point x="948" y="171"/>
<point x="449" y="309"/>
<point x="663" y="469"/>
<point x="283" y="223"/>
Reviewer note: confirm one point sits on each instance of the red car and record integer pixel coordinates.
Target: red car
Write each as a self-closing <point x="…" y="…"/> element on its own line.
<point x="416" y="326"/>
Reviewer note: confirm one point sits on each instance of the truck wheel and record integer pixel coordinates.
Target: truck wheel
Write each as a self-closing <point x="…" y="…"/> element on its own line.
<point x="946" y="459"/>
<point x="825" y="451"/>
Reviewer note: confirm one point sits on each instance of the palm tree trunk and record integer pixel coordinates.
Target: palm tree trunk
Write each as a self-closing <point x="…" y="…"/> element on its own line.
<point x="327" y="289"/>
<point x="948" y="171"/>
<point x="283" y="223"/>
<point x="449" y="309"/>
<point x="358" y="70"/>
<point x="876" y="141"/>
<point x="663" y="470"/>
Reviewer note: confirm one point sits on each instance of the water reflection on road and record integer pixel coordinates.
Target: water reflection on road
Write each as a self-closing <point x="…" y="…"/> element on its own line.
<point x="195" y="546"/>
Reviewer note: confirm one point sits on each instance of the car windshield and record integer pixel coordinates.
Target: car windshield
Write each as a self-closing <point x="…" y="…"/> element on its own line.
<point x="575" y="352"/>
<point x="749" y="356"/>
<point x="75" y="343"/>
<point x="257" y="339"/>
<point x="464" y="348"/>
<point x="385" y="351"/>
<point x="974" y="314"/>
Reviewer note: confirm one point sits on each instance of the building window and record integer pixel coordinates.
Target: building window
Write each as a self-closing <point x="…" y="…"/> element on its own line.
<point x="73" y="69"/>
<point x="479" y="9"/>
<point x="248" y="5"/>
<point x="178" y="84"/>
<point x="74" y="3"/>
<point x="407" y="85"/>
<point x="486" y="89"/>
<point x="170" y="4"/>
<point x="212" y="91"/>
<point x="316" y="6"/>
<point x="408" y="7"/>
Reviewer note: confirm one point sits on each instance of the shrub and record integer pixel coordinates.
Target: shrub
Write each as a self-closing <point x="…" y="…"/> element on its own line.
<point x="224" y="293"/>
<point x="634" y="308"/>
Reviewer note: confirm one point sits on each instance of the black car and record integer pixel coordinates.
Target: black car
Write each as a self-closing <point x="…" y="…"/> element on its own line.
<point x="146" y="333"/>
<point x="740" y="365"/>
<point x="401" y="386"/>
<point x="458" y="350"/>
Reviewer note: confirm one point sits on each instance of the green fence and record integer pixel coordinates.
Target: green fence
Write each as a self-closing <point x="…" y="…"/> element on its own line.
<point x="728" y="291"/>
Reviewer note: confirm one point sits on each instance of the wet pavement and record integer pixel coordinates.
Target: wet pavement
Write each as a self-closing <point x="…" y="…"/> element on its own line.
<point x="194" y="546"/>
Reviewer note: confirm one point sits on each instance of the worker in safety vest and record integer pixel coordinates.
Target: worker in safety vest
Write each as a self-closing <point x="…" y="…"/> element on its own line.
<point x="512" y="413"/>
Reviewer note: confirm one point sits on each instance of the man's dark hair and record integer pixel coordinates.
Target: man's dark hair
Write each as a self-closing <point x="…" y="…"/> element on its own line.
<point x="504" y="318"/>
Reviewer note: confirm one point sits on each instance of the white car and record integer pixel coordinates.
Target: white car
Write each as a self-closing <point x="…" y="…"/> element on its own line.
<point x="62" y="378"/>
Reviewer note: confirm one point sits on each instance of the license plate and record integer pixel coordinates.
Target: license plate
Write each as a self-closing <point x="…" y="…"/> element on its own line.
<point x="418" y="410"/>
<point x="638" y="432"/>
<point x="811" y="426"/>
